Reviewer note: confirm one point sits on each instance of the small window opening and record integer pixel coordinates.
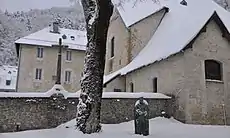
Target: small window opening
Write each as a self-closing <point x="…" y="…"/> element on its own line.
<point x="117" y="90"/>
<point x="64" y="37"/>
<point x="72" y="37"/>
<point x="8" y="82"/>
<point x="155" y="85"/>
<point x="18" y="127"/>
<point x="68" y="76"/>
<point x="184" y="2"/>
<point x="112" y="47"/>
<point x="110" y="65"/>
<point x="54" y="77"/>
<point x="57" y="89"/>
<point x="131" y="87"/>
<point x="213" y="70"/>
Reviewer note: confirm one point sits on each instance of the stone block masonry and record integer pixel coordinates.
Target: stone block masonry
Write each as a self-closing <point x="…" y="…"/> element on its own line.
<point x="43" y="112"/>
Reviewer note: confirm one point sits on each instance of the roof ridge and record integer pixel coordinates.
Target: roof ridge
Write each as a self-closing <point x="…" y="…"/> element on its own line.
<point x="51" y="41"/>
<point x="145" y="8"/>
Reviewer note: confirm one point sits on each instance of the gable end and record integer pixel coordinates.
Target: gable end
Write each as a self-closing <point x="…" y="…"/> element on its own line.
<point x="219" y="22"/>
<point x="166" y="9"/>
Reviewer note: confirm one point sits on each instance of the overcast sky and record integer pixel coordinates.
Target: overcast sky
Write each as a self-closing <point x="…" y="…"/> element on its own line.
<point x="25" y="5"/>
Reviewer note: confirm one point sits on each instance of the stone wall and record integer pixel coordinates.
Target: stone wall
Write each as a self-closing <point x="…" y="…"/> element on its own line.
<point x="170" y="81"/>
<point x="128" y="40"/>
<point x="199" y="101"/>
<point x="118" y="30"/>
<point x="49" y="112"/>
<point x="206" y="97"/>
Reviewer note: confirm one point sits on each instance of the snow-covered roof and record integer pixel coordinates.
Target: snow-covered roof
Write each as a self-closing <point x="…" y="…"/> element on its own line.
<point x="109" y="77"/>
<point x="119" y="95"/>
<point x="179" y="26"/>
<point x="131" y="95"/>
<point x="75" y="39"/>
<point x="56" y="89"/>
<point x="133" y="11"/>
<point x="8" y="73"/>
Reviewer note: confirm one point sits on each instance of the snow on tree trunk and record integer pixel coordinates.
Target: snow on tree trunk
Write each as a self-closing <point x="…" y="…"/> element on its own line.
<point x="97" y="14"/>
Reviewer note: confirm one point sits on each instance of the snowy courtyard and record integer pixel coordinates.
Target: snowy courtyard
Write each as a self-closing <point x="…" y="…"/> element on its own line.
<point x="115" y="62"/>
<point x="159" y="128"/>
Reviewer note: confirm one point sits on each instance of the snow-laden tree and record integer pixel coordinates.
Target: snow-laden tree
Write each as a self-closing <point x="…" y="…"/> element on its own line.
<point x="97" y="15"/>
<point x="224" y="3"/>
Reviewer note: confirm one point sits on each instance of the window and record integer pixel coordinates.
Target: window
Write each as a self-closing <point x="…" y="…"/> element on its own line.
<point x="64" y="36"/>
<point x="39" y="52"/>
<point x="112" y="47"/>
<point x="213" y="70"/>
<point x="67" y="76"/>
<point x="54" y="77"/>
<point x="72" y="37"/>
<point x="131" y="87"/>
<point x="8" y="82"/>
<point x="120" y="62"/>
<point x="38" y="74"/>
<point x="110" y="65"/>
<point x="117" y="90"/>
<point x="155" y="84"/>
<point x="68" y="55"/>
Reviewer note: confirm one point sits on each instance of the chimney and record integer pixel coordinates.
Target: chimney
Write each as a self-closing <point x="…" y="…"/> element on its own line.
<point x="55" y="28"/>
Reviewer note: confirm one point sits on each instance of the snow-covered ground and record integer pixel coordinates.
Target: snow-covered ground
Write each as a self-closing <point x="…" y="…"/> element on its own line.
<point x="159" y="128"/>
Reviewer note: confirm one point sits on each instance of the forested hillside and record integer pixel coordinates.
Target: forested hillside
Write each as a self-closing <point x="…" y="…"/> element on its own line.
<point x="19" y="24"/>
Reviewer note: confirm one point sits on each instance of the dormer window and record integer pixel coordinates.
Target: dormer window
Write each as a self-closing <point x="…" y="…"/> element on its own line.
<point x="72" y="37"/>
<point x="64" y="37"/>
<point x="184" y="2"/>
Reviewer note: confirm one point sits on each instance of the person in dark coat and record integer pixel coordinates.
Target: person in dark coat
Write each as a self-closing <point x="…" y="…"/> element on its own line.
<point x="141" y="117"/>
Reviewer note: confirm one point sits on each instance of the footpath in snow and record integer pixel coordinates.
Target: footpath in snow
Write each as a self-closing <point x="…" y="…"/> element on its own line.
<point x="159" y="128"/>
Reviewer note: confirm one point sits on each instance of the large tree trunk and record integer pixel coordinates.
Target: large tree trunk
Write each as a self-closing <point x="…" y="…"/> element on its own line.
<point x="97" y="14"/>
